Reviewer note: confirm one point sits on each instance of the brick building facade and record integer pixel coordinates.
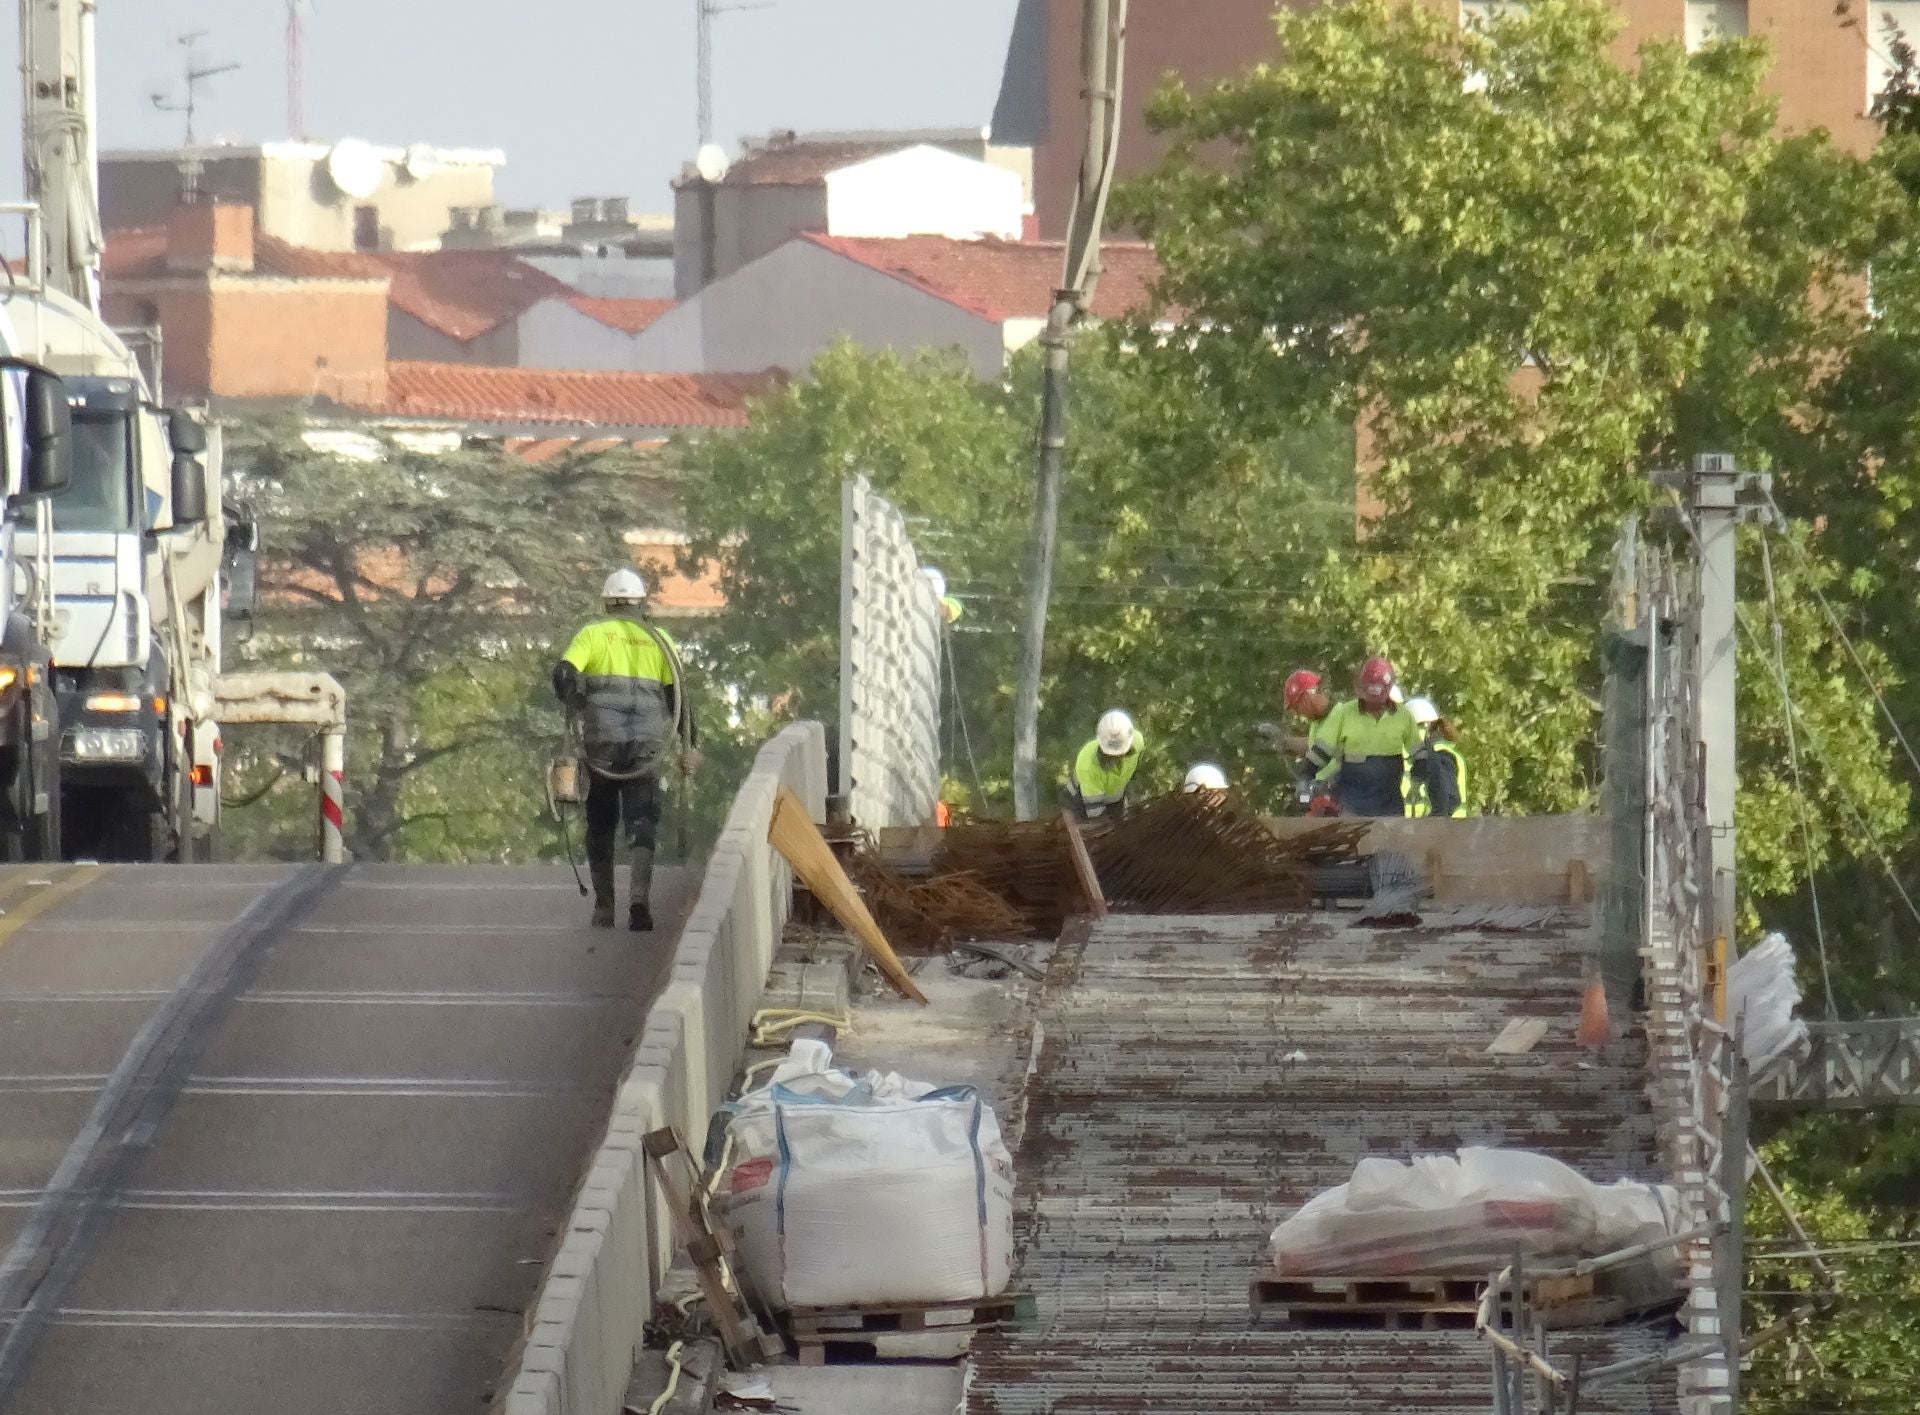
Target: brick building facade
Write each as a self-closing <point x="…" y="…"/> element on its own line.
<point x="1828" y="59"/>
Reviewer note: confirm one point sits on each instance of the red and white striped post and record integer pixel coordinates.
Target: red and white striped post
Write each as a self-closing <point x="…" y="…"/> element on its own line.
<point x="333" y="811"/>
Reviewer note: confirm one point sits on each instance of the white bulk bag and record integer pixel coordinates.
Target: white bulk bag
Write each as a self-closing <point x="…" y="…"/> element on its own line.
<point x="846" y="1191"/>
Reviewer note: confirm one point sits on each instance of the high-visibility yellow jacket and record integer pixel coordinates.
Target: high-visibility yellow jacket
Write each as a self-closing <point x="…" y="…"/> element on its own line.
<point x="1436" y="778"/>
<point x="627" y="686"/>
<point x="1098" y="782"/>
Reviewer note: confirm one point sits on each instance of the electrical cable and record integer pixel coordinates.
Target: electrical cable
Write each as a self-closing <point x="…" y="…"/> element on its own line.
<point x="1833" y="620"/>
<point x="1799" y="787"/>
<point x="1843" y="790"/>
<point x="1846" y="797"/>
<point x="673" y="1381"/>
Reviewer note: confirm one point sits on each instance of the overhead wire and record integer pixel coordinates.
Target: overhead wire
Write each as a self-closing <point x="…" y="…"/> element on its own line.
<point x="1846" y="641"/>
<point x="1799" y="786"/>
<point x="1844" y="792"/>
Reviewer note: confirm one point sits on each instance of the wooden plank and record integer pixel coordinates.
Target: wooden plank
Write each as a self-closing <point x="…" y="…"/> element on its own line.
<point x="1579" y="883"/>
<point x="1083" y="866"/>
<point x="744" y="1342"/>
<point x="798" y="839"/>
<point x="1520" y="1036"/>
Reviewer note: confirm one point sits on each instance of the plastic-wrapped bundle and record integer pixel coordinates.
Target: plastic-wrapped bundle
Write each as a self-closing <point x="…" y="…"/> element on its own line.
<point x="1466" y="1214"/>
<point x="1763" y="995"/>
<point x="849" y="1191"/>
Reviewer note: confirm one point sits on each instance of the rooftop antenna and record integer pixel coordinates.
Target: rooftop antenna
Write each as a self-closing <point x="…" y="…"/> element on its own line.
<point x="298" y="12"/>
<point x="705" y="10"/>
<point x="197" y="73"/>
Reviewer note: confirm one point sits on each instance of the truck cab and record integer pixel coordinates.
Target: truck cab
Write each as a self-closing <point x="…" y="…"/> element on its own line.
<point x="37" y="447"/>
<point x="132" y="737"/>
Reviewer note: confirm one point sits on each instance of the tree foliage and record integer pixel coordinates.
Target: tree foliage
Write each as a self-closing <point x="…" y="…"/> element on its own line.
<point x="436" y="585"/>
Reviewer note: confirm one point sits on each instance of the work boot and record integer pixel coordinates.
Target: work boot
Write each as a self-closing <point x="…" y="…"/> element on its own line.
<point x="639" y="910"/>
<point x="602" y="874"/>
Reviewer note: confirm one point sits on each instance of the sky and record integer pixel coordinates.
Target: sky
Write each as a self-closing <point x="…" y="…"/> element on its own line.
<point x="585" y="97"/>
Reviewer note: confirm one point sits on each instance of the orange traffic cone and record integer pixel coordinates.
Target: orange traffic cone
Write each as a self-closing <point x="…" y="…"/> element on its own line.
<point x="1595" y="1029"/>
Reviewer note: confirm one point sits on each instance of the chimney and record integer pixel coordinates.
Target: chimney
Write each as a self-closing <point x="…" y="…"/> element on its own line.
<point x="207" y="236"/>
<point x="586" y="211"/>
<point x="614" y="211"/>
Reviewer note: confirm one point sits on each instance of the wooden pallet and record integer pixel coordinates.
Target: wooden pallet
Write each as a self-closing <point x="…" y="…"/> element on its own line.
<point x="1410" y="1303"/>
<point x="856" y="1332"/>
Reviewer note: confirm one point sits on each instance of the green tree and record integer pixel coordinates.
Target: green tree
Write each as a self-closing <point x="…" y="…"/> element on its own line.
<point x="437" y="586"/>
<point x="1532" y="274"/>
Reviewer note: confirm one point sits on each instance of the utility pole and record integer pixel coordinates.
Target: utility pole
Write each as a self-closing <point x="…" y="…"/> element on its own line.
<point x="297" y="13"/>
<point x="1103" y="39"/>
<point x="196" y="74"/>
<point x="704" y="11"/>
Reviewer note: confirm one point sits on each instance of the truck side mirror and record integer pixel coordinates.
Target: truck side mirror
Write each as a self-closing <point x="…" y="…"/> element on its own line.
<point x="189" y="489"/>
<point x="186" y="433"/>
<point x="49" y="435"/>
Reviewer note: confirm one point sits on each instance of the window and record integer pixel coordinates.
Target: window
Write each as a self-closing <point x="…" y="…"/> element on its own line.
<point x="366" y="228"/>
<point x="100" y="496"/>
<point x="1480" y="13"/>
<point x="1708" y="20"/>
<point x="1886" y="23"/>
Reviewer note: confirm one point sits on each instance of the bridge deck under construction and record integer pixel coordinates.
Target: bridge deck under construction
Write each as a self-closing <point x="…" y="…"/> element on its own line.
<point x="293" y="1139"/>
<point x="1199" y="1078"/>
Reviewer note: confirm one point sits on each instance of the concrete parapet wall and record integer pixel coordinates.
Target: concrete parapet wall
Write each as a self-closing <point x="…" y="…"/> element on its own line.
<point x="1489" y="859"/>
<point x="587" y="1320"/>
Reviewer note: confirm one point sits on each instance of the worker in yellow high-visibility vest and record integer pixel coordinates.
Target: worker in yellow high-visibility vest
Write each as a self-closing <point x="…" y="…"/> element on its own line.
<point x="621" y="674"/>
<point x="1099" y="775"/>
<point x="1436" y="777"/>
<point x="1370" y="739"/>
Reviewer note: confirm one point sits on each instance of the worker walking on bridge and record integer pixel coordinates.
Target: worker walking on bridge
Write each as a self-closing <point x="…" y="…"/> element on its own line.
<point x="1369" y="741"/>
<point x="1436" y="779"/>
<point x="1100" y="774"/>
<point x="624" y="677"/>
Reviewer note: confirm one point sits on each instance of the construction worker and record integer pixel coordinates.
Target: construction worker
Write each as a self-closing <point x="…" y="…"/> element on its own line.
<point x="1204" y="776"/>
<point x="1436" y="779"/>
<point x="1369" y="741"/>
<point x="1304" y="694"/>
<point x="1098" y="779"/>
<point x="623" y="676"/>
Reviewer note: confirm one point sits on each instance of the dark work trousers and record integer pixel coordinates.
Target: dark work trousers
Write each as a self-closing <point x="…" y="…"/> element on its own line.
<point x="1370" y="786"/>
<point x="609" y="803"/>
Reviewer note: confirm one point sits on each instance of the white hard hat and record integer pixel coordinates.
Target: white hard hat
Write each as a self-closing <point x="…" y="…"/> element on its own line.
<point x="1423" y="710"/>
<point x="1115" y="733"/>
<point x="624" y="586"/>
<point x="937" y="580"/>
<point x="1205" y="777"/>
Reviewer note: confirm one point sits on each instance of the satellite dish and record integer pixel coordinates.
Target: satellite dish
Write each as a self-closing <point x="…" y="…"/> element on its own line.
<point x="421" y="162"/>
<point x="711" y="162"/>
<point x="355" y="168"/>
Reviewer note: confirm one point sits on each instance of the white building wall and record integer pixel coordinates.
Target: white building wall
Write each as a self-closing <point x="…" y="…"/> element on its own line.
<point x="785" y="308"/>
<point x="553" y="334"/>
<point x="924" y="191"/>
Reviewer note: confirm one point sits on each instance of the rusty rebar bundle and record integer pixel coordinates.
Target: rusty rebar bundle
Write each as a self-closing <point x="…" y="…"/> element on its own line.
<point x="925" y="916"/>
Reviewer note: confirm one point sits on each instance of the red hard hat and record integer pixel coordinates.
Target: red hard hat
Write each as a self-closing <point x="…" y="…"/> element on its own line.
<point x="1376" y="680"/>
<point x="1300" y="682"/>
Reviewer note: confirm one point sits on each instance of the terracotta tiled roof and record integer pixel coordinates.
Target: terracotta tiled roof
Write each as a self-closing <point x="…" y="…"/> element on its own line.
<point x="803" y="163"/>
<point x="141" y="252"/>
<point x="627" y="316"/>
<point x="1001" y="280"/>
<point x="464" y="294"/>
<point x="563" y="397"/>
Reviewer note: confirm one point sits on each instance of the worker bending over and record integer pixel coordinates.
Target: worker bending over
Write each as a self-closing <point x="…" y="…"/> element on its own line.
<point x="1369" y="742"/>
<point x="1097" y="781"/>
<point x="1436" y="780"/>
<point x="623" y="676"/>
